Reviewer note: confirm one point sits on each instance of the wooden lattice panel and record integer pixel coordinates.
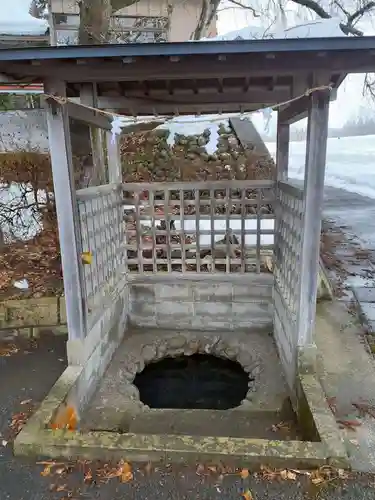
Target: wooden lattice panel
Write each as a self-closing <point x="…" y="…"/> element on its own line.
<point x="102" y="237"/>
<point x="288" y="240"/>
<point x="220" y="226"/>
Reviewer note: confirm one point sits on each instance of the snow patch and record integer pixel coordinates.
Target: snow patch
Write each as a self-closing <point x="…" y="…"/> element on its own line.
<point x="194" y="128"/>
<point x="320" y="28"/>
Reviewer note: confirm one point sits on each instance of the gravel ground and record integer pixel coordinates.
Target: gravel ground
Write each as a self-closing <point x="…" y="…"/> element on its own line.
<point x="29" y="374"/>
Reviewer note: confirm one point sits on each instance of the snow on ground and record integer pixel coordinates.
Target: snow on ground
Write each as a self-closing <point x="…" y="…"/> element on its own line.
<point x="220" y="225"/>
<point x="350" y="163"/>
<point x="16" y="20"/>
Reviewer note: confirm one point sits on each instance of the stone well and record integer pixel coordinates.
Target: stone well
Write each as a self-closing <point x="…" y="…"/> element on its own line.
<point x="183" y="343"/>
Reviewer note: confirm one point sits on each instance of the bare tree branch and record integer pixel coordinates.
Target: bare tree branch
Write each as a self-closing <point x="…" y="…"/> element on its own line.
<point x="347" y="28"/>
<point x="243" y="6"/>
<point x="361" y="12"/>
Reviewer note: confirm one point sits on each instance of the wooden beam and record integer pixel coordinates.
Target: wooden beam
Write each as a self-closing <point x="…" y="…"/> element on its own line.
<point x="316" y="148"/>
<point x="248" y="135"/>
<point x="294" y="111"/>
<point x="67" y="212"/>
<point x="298" y="110"/>
<point x="89" y="116"/>
<point x="133" y="108"/>
<point x="258" y="97"/>
<point x="82" y="114"/>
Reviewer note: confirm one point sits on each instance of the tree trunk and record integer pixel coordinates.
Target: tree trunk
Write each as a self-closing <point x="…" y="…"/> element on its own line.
<point x="94" y="25"/>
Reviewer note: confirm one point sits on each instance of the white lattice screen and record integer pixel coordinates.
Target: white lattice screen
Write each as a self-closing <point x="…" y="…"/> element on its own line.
<point x="102" y="237"/>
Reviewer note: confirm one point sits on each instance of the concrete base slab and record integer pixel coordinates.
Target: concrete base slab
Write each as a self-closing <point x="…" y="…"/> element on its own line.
<point x="216" y="423"/>
<point x="37" y="438"/>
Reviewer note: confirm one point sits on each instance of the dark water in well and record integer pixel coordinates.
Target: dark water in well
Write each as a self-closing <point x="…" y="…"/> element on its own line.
<point x="200" y="382"/>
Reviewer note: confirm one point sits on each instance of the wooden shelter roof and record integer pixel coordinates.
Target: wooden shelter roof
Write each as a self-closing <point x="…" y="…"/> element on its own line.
<point x="196" y="77"/>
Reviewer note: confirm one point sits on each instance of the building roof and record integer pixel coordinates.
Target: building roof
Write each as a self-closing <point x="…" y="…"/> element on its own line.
<point x="205" y="77"/>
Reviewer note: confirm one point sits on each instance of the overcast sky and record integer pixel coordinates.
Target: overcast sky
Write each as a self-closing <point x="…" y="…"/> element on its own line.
<point x="350" y="101"/>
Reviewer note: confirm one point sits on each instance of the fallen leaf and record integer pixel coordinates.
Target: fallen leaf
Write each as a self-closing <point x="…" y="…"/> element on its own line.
<point x="332" y="404"/>
<point x="8" y="351"/>
<point x="349" y="424"/>
<point x="86" y="258"/>
<point x="61" y="487"/>
<point x="88" y="476"/>
<point x="46" y="471"/>
<point x="317" y="480"/>
<point x="247" y="495"/>
<point x="301" y="472"/>
<point x="244" y="473"/>
<point x="365" y="409"/>
<point x="66" y="418"/>
<point x="125" y="472"/>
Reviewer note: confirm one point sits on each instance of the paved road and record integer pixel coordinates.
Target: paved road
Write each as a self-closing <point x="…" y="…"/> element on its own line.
<point x="352" y="210"/>
<point x="29" y="376"/>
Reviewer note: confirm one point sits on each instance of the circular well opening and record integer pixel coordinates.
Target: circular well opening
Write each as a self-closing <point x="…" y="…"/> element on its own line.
<point x="200" y="381"/>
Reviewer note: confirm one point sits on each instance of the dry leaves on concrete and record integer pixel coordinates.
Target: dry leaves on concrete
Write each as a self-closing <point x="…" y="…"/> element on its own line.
<point x="66" y="418"/>
<point x="8" y="350"/>
<point x="343" y="422"/>
<point x="125" y="472"/>
<point x="18" y="421"/>
<point x="364" y="408"/>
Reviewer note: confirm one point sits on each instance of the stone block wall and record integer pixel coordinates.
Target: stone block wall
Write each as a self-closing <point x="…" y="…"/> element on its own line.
<point x="29" y="316"/>
<point x="202" y="302"/>
<point x="94" y="353"/>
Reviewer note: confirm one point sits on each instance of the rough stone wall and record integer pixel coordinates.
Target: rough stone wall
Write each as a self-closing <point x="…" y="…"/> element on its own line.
<point x="153" y="156"/>
<point x="200" y="304"/>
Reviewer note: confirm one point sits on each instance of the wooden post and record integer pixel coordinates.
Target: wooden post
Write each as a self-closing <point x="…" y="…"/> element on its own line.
<point x="316" y="146"/>
<point x="114" y="158"/>
<point x="88" y="97"/>
<point x="66" y="208"/>
<point x="282" y="150"/>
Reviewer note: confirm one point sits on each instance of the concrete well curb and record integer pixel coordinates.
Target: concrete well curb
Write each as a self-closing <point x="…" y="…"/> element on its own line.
<point x="37" y="439"/>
